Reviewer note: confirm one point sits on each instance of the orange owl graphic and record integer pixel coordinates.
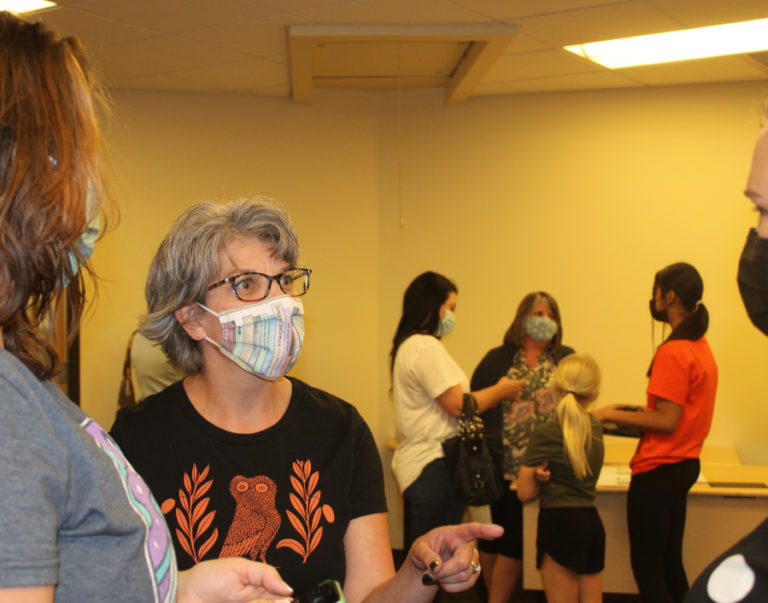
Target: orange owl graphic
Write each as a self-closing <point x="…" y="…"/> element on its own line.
<point x="256" y="519"/>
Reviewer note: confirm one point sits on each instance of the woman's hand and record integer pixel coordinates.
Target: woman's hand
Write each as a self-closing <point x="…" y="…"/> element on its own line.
<point x="447" y="555"/>
<point x="510" y="388"/>
<point x="541" y="473"/>
<point x="604" y="413"/>
<point x="232" y="580"/>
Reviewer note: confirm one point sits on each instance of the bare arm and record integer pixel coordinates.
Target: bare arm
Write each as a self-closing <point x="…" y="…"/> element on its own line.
<point x="527" y="486"/>
<point x="368" y="554"/>
<point x="663" y="419"/>
<point x="27" y="594"/>
<point x="451" y="400"/>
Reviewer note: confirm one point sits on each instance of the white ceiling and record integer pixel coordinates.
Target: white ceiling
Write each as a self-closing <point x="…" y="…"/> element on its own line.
<point x="241" y="45"/>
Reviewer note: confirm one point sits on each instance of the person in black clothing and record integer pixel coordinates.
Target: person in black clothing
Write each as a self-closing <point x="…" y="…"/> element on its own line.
<point x="246" y="461"/>
<point x="740" y="574"/>
<point x="531" y="350"/>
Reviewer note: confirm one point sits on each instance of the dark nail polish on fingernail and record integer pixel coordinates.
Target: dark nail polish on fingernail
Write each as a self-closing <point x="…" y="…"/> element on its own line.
<point x="427" y="580"/>
<point x="434" y="565"/>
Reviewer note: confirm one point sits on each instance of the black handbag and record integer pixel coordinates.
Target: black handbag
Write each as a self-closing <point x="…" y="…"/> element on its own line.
<point x="475" y="467"/>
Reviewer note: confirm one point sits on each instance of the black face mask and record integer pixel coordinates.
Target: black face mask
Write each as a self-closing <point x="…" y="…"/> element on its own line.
<point x="660" y="315"/>
<point x="753" y="279"/>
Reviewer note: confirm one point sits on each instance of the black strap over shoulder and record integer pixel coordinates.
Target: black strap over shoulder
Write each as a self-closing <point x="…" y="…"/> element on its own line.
<point x="126" y="396"/>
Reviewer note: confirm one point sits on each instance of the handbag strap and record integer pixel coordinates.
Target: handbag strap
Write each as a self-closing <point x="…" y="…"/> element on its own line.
<point x="126" y="396"/>
<point x="471" y="425"/>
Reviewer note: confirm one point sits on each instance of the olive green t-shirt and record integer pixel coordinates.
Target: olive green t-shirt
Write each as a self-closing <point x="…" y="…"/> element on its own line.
<point x="563" y="488"/>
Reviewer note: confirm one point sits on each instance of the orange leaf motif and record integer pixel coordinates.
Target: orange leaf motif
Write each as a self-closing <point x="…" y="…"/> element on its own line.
<point x="296" y="502"/>
<point x="297" y="525"/>
<point x="328" y="513"/>
<point x="191" y="517"/>
<point x="291" y="544"/>
<point x="305" y="501"/>
<point x="167" y="506"/>
<point x="313" y="482"/>
<point x="206" y="546"/>
<point x="314" y="501"/>
<point x="315" y="519"/>
<point x="297" y="485"/>
<point x="316" y="539"/>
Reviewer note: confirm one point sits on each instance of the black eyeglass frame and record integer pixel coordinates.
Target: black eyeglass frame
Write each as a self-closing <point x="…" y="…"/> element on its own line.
<point x="269" y="277"/>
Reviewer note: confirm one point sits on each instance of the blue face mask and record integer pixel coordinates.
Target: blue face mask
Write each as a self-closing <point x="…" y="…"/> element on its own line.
<point x="446" y="324"/>
<point x="540" y="328"/>
<point x="83" y="248"/>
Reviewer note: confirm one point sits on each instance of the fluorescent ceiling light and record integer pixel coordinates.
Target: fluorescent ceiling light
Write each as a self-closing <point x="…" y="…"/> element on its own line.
<point x="683" y="45"/>
<point x="24" y="6"/>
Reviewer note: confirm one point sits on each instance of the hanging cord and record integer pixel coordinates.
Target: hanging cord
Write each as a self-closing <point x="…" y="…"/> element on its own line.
<point x="398" y="162"/>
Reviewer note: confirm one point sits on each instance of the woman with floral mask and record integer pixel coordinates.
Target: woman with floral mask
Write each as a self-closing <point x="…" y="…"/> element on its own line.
<point x="246" y="461"/>
<point x="428" y="388"/>
<point x="531" y="350"/>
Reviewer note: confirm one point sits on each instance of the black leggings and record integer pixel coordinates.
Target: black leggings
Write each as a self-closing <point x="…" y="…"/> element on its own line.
<point x="656" y="517"/>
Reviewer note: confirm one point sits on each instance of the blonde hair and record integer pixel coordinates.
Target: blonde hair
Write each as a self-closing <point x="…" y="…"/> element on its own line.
<point x="576" y="381"/>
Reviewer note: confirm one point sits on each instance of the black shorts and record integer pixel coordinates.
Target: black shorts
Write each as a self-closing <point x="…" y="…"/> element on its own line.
<point x="573" y="537"/>
<point x="508" y="513"/>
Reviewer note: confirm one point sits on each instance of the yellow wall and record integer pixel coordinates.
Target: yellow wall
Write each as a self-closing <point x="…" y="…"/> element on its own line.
<point x="584" y="195"/>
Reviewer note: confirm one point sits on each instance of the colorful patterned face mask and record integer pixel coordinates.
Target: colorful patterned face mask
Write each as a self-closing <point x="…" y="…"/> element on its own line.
<point x="540" y="328"/>
<point x="264" y="338"/>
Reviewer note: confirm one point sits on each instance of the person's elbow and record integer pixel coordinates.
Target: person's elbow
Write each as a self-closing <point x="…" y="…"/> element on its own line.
<point x="526" y="493"/>
<point x="667" y="427"/>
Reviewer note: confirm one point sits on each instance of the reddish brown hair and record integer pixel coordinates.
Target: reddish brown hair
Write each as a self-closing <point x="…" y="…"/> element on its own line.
<point x="49" y="164"/>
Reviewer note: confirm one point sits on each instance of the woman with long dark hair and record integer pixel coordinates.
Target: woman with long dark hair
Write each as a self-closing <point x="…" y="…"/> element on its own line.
<point x="428" y="388"/>
<point x="681" y="397"/>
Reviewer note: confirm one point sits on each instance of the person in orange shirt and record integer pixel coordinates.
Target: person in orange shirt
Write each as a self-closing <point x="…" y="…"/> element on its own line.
<point x="681" y="396"/>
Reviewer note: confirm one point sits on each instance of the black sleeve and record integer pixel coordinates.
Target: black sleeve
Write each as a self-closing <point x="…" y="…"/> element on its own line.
<point x="739" y="574"/>
<point x="492" y="367"/>
<point x="367" y="494"/>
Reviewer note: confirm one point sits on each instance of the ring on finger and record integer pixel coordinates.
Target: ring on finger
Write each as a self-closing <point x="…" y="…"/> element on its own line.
<point x="475" y="567"/>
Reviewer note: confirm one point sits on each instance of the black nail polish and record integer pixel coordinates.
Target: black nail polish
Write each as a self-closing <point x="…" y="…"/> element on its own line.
<point x="434" y="565"/>
<point x="427" y="580"/>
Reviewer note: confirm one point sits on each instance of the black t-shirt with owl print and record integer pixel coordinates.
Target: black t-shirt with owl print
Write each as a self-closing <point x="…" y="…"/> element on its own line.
<point x="283" y="496"/>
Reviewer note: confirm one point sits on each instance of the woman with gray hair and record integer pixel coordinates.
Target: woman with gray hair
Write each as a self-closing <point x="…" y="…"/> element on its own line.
<point x="246" y="461"/>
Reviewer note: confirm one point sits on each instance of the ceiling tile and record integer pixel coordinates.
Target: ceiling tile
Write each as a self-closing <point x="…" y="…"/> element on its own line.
<point x="264" y="37"/>
<point x="701" y="13"/>
<point x="494" y="88"/>
<point x="281" y="91"/>
<point x="92" y="30"/>
<point x="295" y="6"/>
<point x="241" y="75"/>
<point x="515" y="9"/>
<point x="513" y="67"/>
<point x="161" y="55"/>
<point x="171" y="16"/>
<point x="394" y="12"/>
<point x="156" y="83"/>
<point x="525" y="43"/>
<point x="580" y="81"/>
<point x="597" y="24"/>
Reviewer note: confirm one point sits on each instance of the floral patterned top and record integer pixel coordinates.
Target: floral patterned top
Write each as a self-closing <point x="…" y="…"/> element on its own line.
<point x="533" y="406"/>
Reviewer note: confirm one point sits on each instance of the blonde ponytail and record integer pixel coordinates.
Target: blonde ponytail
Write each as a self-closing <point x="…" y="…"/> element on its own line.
<point x="577" y="382"/>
